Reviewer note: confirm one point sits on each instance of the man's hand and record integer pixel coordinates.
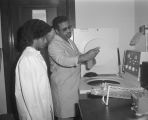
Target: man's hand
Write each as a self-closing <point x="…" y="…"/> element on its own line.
<point x="89" y="64"/>
<point x="92" y="53"/>
<point x="88" y="55"/>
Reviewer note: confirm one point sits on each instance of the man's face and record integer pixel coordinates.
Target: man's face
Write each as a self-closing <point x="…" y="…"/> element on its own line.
<point x="64" y="30"/>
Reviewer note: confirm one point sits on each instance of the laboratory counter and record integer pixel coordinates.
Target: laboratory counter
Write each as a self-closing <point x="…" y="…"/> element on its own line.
<point x="93" y="108"/>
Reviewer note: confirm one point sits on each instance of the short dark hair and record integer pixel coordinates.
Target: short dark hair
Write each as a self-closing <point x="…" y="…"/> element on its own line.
<point x="30" y="30"/>
<point x="57" y="20"/>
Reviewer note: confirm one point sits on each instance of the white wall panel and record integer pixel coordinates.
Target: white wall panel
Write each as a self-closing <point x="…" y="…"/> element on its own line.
<point x="118" y="14"/>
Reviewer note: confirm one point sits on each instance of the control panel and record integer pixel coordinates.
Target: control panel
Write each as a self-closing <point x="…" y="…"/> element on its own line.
<point x="133" y="60"/>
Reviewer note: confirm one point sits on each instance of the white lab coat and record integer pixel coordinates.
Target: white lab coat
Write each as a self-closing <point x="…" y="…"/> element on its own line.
<point x="32" y="88"/>
<point x="65" y="76"/>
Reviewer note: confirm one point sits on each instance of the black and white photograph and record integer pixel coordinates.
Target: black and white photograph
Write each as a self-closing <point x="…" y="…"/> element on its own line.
<point x="73" y="59"/>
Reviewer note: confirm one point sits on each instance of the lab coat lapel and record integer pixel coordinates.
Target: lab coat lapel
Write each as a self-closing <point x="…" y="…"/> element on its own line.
<point x="71" y="48"/>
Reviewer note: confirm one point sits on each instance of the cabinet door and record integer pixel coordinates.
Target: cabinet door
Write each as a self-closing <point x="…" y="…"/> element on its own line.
<point x="3" y="108"/>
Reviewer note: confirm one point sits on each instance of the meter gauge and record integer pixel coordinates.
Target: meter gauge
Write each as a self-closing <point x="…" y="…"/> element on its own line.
<point x="128" y="55"/>
<point x="133" y="69"/>
<point x="136" y="57"/>
<point x="134" y="62"/>
<point x="126" y="66"/>
<point x="129" y="67"/>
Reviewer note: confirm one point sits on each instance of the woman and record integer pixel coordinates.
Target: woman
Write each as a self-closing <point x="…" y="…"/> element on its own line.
<point x="32" y="87"/>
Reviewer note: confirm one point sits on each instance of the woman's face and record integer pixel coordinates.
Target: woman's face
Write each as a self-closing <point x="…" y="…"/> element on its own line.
<point x="50" y="36"/>
<point x="41" y="43"/>
<point x="44" y="41"/>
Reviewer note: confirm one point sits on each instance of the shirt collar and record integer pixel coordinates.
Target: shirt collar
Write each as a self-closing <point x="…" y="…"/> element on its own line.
<point x="32" y="49"/>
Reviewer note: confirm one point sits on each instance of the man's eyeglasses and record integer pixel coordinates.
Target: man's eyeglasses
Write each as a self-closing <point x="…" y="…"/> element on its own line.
<point x="67" y="28"/>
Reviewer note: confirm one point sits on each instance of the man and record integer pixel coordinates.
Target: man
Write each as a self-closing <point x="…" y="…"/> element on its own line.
<point x="32" y="88"/>
<point x="65" y="61"/>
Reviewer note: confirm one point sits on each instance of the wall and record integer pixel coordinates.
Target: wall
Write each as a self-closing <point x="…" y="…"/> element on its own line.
<point x="141" y="18"/>
<point x="141" y="13"/>
<point x="118" y="14"/>
<point x="3" y="108"/>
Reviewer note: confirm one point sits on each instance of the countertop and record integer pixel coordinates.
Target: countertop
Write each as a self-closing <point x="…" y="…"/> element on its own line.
<point x="92" y="107"/>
